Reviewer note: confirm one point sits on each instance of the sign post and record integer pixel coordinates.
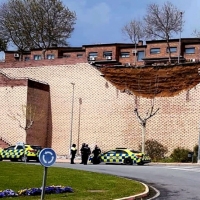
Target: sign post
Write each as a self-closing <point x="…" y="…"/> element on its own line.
<point x="24" y="150"/>
<point x="47" y="157"/>
<point x="198" y="160"/>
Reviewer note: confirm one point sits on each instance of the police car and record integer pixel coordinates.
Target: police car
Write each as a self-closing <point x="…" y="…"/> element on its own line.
<point x="125" y="156"/>
<point x="20" y="152"/>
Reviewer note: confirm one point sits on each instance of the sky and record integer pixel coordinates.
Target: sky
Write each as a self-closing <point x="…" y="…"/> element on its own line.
<point x="101" y="21"/>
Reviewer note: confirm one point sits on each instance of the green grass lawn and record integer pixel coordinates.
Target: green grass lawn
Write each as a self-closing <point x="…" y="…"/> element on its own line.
<point x="86" y="185"/>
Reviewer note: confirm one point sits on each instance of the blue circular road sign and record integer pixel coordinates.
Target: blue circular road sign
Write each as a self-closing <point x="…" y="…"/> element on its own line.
<point x="47" y="157"/>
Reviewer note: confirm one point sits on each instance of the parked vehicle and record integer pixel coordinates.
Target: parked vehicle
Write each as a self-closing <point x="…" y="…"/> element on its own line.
<point x="125" y="156"/>
<point x="20" y="152"/>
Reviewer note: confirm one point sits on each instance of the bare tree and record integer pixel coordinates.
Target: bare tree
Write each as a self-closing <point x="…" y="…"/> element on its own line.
<point x="196" y="33"/>
<point x="162" y="22"/>
<point x="30" y="113"/>
<point x="143" y="122"/>
<point x="134" y="31"/>
<point x="36" y="23"/>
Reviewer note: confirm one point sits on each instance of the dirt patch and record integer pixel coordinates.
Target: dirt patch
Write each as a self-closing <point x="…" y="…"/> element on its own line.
<point x="153" y="81"/>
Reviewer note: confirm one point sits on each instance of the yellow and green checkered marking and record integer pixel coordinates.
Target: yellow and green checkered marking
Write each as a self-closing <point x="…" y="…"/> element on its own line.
<point x="119" y="158"/>
<point x="124" y="156"/>
<point x="17" y="154"/>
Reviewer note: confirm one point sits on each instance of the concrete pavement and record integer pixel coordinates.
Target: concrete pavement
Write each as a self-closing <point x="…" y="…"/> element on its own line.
<point x="63" y="159"/>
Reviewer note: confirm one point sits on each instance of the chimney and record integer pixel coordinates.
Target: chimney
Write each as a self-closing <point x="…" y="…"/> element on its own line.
<point x="140" y="43"/>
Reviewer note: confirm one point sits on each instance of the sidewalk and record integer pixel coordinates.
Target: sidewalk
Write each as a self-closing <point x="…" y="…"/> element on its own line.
<point x="63" y="159"/>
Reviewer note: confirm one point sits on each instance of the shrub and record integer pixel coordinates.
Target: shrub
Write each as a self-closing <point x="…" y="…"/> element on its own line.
<point x="180" y="154"/>
<point x="195" y="149"/>
<point x="155" y="150"/>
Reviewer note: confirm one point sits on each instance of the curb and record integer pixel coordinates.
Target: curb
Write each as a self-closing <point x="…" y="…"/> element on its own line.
<point x="157" y="193"/>
<point x="141" y="195"/>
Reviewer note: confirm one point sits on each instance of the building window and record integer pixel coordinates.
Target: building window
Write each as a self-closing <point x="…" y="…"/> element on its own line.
<point x="79" y="55"/>
<point x="140" y="55"/>
<point x="26" y="58"/>
<point x="92" y="55"/>
<point x="37" y="57"/>
<point x="107" y="53"/>
<point x="125" y="54"/>
<point x="172" y="49"/>
<point x="50" y="56"/>
<point x="190" y="50"/>
<point x="154" y="50"/>
<point x="66" y="55"/>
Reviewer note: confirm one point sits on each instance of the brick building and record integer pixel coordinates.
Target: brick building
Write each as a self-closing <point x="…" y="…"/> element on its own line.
<point x="186" y="49"/>
<point x="102" y="112"/>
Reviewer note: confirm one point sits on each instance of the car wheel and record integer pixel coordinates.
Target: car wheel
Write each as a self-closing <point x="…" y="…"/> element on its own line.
<point x="128" y="161"/>
<point x="140" y="163"/>
<point x="13" y="160"/>
<point x="24" y="158"/>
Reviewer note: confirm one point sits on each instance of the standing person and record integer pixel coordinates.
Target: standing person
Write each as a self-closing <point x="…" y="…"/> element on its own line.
<point x="86" y="153"/>
<point x="96" y="152"/>
<point x="73" y="153"/>
<point x="81" y="150"/>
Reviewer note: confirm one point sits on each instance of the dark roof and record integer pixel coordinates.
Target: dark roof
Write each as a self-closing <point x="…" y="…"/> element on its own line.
<point x="131" y="45"/>
<point x="24" y="52"/>
<point x="185" y="40"/>
<point x="60" y="48"/>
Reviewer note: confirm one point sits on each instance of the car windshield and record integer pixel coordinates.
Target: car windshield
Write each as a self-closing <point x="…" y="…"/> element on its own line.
<point x="9" y="148"/>
<point x="133" y="151"/>
<point x="36" y="147"/>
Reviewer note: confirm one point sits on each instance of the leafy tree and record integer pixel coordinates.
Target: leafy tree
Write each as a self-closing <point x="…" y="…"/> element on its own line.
<point x="3" y="45"/>
<point x="36" y="23"/>
<point x="134" y="31"/>
<point x="162" y="22"/>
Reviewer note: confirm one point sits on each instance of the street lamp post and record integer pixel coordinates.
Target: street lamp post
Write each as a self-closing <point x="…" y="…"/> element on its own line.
<point x="72" y="113"/>
<point x="79" y="122"/>
<point x="179" y="48"/>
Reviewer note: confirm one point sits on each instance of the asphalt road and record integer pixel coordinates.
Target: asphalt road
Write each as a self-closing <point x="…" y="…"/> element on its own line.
<point x="173" y="181"/>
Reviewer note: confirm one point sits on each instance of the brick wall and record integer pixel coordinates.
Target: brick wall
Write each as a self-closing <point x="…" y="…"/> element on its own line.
<point x="163" y="49"/>
<point x="131" y="59"/>
<point x="106" y="114"/>
<point x="12" y="98"/>
<point x="14" y="108"/>
<point x="38" y="104"/>
<point x="101" y="49"/>
<point x="195" y="55"/>
<point x="46" y="62"/>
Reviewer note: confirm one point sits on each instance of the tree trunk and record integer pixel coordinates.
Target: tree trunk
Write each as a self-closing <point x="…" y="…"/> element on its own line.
<point x="20" y="56"/>
<point x="169" y="51"/>
<point x="43" y="53"/>
<point x="143" y="137"/>
<point x="135" y="55"/>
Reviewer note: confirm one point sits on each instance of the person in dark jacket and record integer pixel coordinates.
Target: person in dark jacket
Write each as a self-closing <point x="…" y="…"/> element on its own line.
<point x="86" y="153"/>
<point x="73" y="153"/>
<point x="96" y="155"/>
<point x="81" y="150"/>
